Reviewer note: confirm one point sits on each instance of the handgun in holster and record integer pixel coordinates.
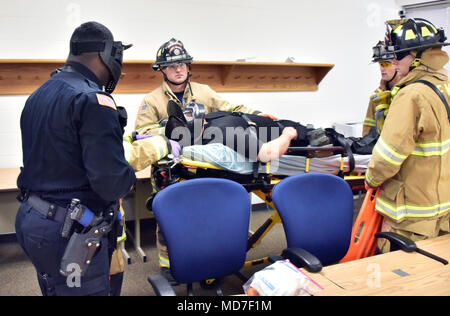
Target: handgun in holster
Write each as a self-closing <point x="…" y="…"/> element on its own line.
<point x="82" y="245"/>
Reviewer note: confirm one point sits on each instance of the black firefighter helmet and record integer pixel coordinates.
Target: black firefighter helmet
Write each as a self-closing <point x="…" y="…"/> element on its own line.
<point x="405" y="35"/>
<point x="171" y="52"/>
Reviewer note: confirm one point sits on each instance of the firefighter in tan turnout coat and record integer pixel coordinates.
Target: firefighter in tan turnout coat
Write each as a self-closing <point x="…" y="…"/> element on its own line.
<point x="411" y="160"/>
<point x="174" y="63"/>
<point x="379" y="101"/>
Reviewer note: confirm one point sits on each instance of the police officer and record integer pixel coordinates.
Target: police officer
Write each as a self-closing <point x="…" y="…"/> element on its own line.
<point x="411" y="160"/>
<point x="72" y="148"/>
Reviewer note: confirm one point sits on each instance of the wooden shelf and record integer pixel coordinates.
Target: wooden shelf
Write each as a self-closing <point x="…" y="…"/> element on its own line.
<point x="23" y="76"/>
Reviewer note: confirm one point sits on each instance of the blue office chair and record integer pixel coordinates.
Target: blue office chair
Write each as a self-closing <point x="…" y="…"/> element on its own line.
<point x="317" y="214"/>
<point x="205" y="224"/>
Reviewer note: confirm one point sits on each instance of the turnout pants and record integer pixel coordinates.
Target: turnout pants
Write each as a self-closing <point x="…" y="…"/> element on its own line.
<point x="163" y="255"/>
<point x="414" y="230"/>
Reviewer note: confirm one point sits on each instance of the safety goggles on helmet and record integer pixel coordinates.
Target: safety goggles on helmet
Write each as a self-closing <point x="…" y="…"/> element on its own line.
<point x="111" y="54"/>
<point x="382" y="53"/>
<point x="175" y="66"/>
<point x="171" y="53"/>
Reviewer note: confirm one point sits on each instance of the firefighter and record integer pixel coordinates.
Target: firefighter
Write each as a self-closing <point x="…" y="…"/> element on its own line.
<point x="174" y="63"/>
<point x="381" y="98"/>
<point x="411" y="160"/>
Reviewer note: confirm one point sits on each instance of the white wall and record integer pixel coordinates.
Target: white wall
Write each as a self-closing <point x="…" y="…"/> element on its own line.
<point x="322" y="31"/>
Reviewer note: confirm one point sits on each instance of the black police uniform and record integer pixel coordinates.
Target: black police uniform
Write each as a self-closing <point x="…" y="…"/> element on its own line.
<point x="72" y="148"/>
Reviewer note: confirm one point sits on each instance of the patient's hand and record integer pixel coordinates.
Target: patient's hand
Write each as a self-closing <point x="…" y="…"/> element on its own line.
<point x="290" y="132"/>
<point x="277" y="147"/>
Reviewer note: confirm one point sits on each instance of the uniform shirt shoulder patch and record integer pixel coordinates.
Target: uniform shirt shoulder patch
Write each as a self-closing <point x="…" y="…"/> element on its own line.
<point x="142" y="109"/>
<point x="106" y="101"/>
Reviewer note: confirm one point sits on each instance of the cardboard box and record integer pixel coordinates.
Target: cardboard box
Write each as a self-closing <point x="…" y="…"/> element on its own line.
<point x="350" y="129"/>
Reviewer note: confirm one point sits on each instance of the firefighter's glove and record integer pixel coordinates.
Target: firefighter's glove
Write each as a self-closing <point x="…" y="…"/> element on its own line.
<point x="175" y="148"/>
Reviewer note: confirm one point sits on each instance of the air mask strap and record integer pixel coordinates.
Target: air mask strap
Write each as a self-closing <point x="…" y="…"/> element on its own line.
<point x="77" y="48"/>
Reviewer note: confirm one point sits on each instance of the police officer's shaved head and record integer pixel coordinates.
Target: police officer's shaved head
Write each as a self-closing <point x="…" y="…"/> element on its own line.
<point x="91" y="31"/>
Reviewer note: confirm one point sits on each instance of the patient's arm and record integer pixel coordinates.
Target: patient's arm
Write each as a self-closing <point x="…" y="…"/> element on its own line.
<point x="277" y="147"/>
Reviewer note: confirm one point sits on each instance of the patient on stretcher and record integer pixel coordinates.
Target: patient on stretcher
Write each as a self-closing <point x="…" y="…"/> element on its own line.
<point x="254" y="137"/>
<point x="235" y="141"/>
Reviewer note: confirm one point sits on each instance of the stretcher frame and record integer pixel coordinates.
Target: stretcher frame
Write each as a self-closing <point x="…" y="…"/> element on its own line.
<point x="261" y="185"/>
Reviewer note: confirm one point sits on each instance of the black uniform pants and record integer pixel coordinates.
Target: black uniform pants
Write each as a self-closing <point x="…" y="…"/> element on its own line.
<point x="41" y="240"/>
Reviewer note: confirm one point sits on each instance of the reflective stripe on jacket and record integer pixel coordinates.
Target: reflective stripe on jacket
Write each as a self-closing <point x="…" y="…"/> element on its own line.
<point x="369" y="120"/>
<point x="144" y="152"/>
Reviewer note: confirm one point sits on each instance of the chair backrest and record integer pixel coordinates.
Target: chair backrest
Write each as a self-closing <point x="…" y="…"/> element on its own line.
<point x="317" y="214"/>
<point x="205" y="223"/>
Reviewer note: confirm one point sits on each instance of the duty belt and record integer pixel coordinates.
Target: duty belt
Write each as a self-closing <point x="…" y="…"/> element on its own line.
<point x="49" y="210"/>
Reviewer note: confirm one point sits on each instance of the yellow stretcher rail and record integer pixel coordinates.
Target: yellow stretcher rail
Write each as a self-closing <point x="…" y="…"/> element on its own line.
<point x="198" y="164"/>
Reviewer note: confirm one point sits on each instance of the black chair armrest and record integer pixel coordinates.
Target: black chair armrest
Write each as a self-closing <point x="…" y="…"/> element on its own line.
<point x="398" y="241"/>
<point x="160" y="285"/>
<point x="302" y="259"/>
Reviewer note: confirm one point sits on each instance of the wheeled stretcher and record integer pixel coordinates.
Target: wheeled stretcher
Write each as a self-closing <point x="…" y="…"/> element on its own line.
<point x="219" y="161"/>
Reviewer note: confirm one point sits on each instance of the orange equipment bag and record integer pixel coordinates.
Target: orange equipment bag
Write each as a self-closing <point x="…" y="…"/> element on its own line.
<point x="363" y="242"/>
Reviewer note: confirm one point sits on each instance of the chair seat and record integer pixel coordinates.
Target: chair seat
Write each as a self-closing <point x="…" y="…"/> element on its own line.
<point x="316" y="210"/>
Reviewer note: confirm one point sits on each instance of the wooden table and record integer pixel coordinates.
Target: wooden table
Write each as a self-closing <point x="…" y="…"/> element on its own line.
<point x="394" y="273"/>
<point x="135" y="209"/>
<point x="8" y="202"/>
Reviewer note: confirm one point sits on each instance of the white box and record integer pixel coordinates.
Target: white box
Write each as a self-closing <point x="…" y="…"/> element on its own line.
<point x="350" y="129"/>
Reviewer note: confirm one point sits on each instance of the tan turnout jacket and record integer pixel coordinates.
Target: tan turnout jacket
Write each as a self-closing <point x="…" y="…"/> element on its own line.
<point x="411" y="160"/>
<point x="369" y="120"/>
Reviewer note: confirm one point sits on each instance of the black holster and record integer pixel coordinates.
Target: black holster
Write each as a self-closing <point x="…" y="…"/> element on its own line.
<point x="83" y="245"/>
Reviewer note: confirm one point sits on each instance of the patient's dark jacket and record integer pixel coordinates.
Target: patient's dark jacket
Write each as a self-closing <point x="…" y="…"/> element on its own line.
<point x="246" y="133"/>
